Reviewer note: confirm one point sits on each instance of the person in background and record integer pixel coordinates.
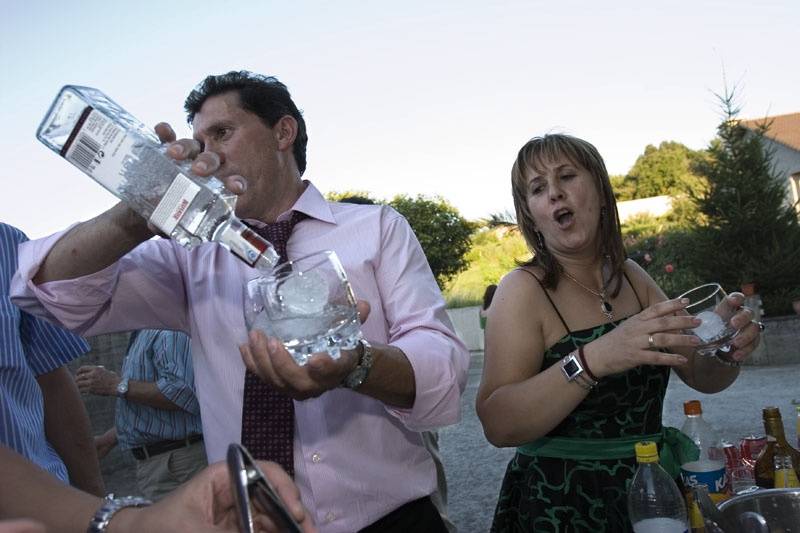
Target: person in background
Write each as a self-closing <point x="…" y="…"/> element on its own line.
<point x="42" y="415"/>
<point x="157" y="417"/>
<point x="342" y="427"/>
<point x="483" y="312"/>
<point x="36" y="502"/>
<point x="579" y="346"/>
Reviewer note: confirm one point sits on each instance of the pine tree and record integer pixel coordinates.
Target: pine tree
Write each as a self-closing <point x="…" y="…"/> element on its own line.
<point x="750" y="234"/>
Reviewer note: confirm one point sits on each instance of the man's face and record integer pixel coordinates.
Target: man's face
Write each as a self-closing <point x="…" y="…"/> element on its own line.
<point x="246" y="146"/>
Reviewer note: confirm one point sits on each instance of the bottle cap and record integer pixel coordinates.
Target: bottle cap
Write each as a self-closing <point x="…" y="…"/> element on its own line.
<point x="692" y="407"/>
<point x="646" y="452"/>
<point x="771" y="412"/>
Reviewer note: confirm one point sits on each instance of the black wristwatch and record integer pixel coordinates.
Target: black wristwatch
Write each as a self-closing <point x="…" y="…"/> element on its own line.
<point x="359" y="374"/>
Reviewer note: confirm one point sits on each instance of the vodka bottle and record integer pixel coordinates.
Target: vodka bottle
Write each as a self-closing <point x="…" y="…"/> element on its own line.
<point x="655" y="503"/>
<point x="95" y="134"/>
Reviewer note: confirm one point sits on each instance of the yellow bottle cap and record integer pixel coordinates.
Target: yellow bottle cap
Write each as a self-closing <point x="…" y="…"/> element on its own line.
<point x="646" y="452"/>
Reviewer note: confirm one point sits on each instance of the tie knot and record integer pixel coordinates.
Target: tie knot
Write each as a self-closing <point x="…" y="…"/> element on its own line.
<point x="278" y="233"/>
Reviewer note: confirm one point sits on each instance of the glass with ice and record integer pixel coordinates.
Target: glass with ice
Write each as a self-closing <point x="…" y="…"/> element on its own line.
<point x="308" y="304"/>
<point x="709" y="303"/>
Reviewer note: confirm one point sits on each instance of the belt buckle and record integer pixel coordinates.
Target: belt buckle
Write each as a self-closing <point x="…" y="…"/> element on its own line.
<point x="252" y="490"/>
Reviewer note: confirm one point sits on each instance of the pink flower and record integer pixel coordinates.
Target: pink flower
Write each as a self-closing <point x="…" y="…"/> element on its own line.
<point x="669" y="268"/>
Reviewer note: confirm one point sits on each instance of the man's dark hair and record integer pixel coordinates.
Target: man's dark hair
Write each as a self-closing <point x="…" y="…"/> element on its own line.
<point x="263" y="96"/>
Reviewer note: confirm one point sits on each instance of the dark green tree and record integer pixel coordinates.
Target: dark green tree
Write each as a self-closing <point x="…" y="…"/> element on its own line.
<point x="750" y="234"/>
<point x="442" y="232"/>
<point x="664" y="170"/>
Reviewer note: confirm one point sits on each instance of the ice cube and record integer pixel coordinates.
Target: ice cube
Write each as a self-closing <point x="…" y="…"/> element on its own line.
<point x="711" y="327"/>
<point x="305" y="293"/>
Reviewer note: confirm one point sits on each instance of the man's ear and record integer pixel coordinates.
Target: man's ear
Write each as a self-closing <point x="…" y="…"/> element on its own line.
<point x="285" y="131"/>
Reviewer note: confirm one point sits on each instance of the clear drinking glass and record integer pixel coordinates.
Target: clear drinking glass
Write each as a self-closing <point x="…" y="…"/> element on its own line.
<point x="708" y="303"/>
<point x="308" y="304"/>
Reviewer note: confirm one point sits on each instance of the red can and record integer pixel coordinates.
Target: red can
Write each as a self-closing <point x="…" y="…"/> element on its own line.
<point x="732" y="456"/>
<point x="750" y="447"/>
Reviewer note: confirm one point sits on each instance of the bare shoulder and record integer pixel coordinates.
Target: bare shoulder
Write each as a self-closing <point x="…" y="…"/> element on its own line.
<point x="513" y="303"/>
<point x="645" y="286"/>
<point x="518" y="286"/>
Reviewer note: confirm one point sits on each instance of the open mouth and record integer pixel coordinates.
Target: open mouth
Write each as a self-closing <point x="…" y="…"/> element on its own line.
<point x="563" y="217"/>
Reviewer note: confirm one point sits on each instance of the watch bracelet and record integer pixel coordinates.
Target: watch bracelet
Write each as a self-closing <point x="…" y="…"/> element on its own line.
<point x="110" y="507"/>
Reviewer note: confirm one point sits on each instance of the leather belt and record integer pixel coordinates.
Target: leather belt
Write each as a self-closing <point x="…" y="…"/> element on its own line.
<point x="149" y="450"/>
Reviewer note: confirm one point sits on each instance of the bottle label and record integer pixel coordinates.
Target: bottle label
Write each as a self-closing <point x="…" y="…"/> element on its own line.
<point x="99" y="148"/>
<point x="708" y="473"/>
<point x="174" y="203"/>
<point x="243" y="242"/>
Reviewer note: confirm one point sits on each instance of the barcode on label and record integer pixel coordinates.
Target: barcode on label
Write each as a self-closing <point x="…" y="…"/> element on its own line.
<point x="84" y="152"/>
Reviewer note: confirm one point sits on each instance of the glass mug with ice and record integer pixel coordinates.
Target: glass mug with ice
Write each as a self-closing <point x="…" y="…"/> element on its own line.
<point x="307" y="304"/>
<point x="709" y="303"/>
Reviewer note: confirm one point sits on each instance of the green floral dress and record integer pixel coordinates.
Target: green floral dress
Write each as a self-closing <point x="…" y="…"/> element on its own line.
<point x="544" y="494"/>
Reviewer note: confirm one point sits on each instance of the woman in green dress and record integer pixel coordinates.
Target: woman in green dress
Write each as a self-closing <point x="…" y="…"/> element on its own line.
<point x="579" y="346"/>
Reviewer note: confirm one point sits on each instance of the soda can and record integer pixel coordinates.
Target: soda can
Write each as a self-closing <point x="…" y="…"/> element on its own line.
<point x="732" y="456"/>
<point x="750" y="447"/>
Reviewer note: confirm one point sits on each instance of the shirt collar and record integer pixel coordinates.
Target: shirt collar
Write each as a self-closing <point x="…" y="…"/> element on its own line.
<point x="311" y="203"/>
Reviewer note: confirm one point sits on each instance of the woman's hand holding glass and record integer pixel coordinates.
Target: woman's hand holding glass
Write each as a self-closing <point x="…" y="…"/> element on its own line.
<point x="640" y="339"/>
<point x="727" y="330"/>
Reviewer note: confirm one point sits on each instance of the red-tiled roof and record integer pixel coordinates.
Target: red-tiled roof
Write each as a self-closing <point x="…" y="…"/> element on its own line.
<point x="783" y="128"/>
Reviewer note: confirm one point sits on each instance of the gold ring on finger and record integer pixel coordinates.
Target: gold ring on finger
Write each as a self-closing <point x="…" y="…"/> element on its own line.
<point x="650" y="342"/>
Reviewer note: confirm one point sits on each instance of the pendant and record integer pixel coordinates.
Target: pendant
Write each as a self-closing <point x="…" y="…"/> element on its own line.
<point x="607" y="310"/>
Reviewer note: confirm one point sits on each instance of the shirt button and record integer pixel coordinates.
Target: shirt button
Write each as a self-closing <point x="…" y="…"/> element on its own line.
<point x="316" y="457"/>
<point x="330" y="517"/>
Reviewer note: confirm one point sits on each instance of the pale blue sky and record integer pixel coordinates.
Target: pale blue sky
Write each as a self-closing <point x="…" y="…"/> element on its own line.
<point x="411" y="97"/>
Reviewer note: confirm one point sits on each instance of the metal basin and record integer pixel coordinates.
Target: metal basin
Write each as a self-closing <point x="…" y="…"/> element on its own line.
<point x="780" y="508"/>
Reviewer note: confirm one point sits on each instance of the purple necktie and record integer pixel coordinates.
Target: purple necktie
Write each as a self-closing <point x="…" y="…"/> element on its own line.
<point x="267" y="414"/>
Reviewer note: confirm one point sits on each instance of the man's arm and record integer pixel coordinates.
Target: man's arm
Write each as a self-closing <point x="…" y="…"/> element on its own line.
<point x="94" y="245"/>
<point x="205" y="503"/>
<point x="419" y="375"/>
<point x="68" y="430"/>
<point x="97" y="380"/>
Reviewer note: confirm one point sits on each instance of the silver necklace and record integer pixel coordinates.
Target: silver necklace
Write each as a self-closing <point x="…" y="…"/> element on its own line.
<point x="605" y="306"/>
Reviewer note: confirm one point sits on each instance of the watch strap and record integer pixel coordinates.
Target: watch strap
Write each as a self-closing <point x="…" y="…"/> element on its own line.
<point x="359" y="374"/>
<point x="110" y="507"/>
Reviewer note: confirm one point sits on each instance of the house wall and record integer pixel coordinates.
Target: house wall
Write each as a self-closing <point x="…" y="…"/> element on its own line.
<point x="787" y="162"/>
<point x="654" y="206"/>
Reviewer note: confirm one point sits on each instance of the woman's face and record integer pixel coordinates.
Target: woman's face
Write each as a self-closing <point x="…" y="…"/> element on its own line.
<point x="565" y="204"/>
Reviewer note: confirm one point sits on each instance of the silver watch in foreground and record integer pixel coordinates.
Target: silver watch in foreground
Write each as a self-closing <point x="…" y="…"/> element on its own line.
<point x="359" y="374"/>
<point x="103" y="516"/>
<point x="573" y="370"/>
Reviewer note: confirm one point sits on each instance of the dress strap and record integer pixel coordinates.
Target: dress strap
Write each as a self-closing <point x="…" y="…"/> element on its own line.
<point x="634" y="290"/>
<point x="566" y="327"/>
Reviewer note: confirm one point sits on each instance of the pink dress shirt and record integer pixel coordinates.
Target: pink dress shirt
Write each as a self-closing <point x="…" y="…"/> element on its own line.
<point x="356" y="459"/>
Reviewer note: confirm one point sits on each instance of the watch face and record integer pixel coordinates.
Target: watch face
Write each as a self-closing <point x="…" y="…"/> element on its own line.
<point x="571" y="367"/>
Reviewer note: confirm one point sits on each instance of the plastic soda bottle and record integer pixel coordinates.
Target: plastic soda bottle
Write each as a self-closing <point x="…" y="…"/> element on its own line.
<point x="709" y="468"/>
<point x="655" y="504"/>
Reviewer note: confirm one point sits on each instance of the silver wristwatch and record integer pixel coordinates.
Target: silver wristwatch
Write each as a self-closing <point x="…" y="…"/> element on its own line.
<point x="110" y="506"/>
<point x="122" y="388"/>
<point x="573" y="370"/>
<point x="359" y="374"/>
